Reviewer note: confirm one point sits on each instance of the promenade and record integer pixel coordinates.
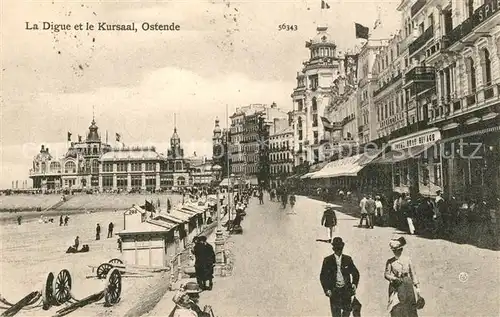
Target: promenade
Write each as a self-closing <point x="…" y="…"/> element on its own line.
<point x="278" y="261"/>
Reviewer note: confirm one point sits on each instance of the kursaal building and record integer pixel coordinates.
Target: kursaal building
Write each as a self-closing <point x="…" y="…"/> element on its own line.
<point x="91" y="164"/>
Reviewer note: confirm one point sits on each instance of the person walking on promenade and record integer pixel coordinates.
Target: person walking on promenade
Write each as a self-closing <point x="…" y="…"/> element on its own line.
<point x="61" y="220"/>
<point x="339" y="278"/>
<point x="406" y="210"/>
<point x="66" y="219"/>
<point x="329" y="220"/>
<point x="403" y="282"/>
<point x="98" y="232"/>
<point x="379" y="211"/>
<point x="370" y="209"/>
<point x="261" y="197"/>
<point x="364" y="213"/>
<point x="441" y="215"/>
<point x="197" y="251"/>
<point x="208" y="262"/>
<point x="110" y="230"/>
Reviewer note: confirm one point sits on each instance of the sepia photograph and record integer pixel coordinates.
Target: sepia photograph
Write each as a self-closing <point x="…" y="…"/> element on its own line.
<point x="220" y="158"/>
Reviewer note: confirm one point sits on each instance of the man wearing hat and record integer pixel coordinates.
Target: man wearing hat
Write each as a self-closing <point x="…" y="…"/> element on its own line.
<point x="339" y="278"/>
<point x="186" y="301"/>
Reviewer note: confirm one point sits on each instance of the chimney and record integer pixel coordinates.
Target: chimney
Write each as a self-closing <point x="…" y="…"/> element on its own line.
<point x="47" y="150"/>
<point x="273" y="105"/>
<point x="43" y="148"/>
<point x="194" y="154"/>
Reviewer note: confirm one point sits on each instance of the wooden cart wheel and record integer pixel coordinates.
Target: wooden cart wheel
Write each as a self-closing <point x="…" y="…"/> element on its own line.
<point x="48" y="292"/>
<point x="113" y="288"/>
<point x="62" y="288"/>
<point x="103" y="269"/>
<point x="115" y="261"/>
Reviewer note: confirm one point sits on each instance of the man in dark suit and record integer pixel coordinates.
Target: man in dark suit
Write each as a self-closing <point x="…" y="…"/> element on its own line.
<point x="339" y="278"/>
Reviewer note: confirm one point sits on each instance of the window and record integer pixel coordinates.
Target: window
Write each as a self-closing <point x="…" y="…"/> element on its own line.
<point x="178" y="166"/>
<point x="95" y="166"/>
<point x="136" y="181"/>
<point x="70" y="167"/>
<point x="315" y="120"/>
<point x="44" y="167"/>
<point x="107" y="181"/>
<point x="300" y="105"/>
<point x="314" y="104"/>
<point x="471" y="73"/>
<point x="151" y="166"/>
<point x="55" y="167"/>
<point x="107" y="167"/>
<point x="136" y="167"/>
<point x="121" y="167"/>
<point x="314" y="82"/>
<point x="315" y="134"/>
<point x="486" y="67"/>
<point x="121" y="181"/>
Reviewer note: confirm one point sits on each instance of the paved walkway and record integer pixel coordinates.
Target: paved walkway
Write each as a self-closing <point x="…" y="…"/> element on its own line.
<point x="278" y="260"/>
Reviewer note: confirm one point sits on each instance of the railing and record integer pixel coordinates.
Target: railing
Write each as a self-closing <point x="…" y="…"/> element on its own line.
<point x="389" y="83"/>
<point x="482" y="14"/>
<point x="417" y="6"/>
<point x="421" y="40"/>
<point x="421" y="73"/>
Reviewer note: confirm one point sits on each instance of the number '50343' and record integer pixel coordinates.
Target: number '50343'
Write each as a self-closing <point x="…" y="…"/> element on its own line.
<point x="287" y="27"/>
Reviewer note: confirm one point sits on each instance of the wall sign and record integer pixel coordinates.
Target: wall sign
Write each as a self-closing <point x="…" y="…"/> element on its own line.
<point x="422" y="139"/>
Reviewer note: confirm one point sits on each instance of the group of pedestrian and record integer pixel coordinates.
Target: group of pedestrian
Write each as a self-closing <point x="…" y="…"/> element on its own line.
<point x="339" y="279"/>
<point x="370" y="208"/>
<point x="98" y="231"/>
<point x="63" y="220"/>
<point x="204" y="262"/>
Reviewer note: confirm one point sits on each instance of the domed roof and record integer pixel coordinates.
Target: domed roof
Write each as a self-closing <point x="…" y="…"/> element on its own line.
<point x="93" y="135"/>
<point x="44" y="155"/>
<point x="217" y="129"/>
<point x="323" y="37"/>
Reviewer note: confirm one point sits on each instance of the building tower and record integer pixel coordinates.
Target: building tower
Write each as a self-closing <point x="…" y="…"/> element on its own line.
<point x="175" y="150"/>
<point x="312" y="95"/>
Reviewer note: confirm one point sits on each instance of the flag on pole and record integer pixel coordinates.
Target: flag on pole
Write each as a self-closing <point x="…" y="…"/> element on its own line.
<point x="118" y="137"/>
<point x="327" y="125"/>
<point x="324" y="5"/>
<point x="378" y="21"/>
<point x="361" y="31"/>
<point x="69" y="136"/>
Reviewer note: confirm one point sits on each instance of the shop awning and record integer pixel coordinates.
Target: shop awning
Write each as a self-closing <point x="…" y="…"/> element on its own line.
<point x="224" y="182"/>
<point x="343" y="167"/>
<point x="402" y="155"/>
<point x="308" y="175"/>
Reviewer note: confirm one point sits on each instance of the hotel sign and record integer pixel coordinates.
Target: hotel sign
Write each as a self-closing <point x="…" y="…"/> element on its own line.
<point x="420" y="139"/>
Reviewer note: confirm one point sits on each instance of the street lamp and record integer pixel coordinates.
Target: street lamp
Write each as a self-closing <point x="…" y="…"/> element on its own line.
<point x="230" y="195"/>
<point x="219" y="240"/>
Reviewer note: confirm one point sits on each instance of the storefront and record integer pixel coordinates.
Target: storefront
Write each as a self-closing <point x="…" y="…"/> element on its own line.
<point x="415" y="163"/>
<point x="471" y="160"/>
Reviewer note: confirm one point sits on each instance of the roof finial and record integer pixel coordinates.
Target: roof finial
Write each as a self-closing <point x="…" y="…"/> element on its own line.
<point x="93" y="114"/>
<point x="175" y="122"/>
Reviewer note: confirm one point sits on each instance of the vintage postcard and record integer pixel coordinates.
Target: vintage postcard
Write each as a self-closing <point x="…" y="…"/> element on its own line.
<point x="225" y="158"/>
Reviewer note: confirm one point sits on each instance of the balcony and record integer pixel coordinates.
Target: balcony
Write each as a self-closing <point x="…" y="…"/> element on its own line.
<point x="421" y="40"/>
<point x="417" y="7"/>
<point x="421" y="74"/>
<point x="386" y="85"/>
<point x="482" y="14"/>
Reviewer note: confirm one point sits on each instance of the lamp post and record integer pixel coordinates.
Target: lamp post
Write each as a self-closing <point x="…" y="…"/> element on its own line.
<point x="230" y="195"/>
<point x="219" y="240"/>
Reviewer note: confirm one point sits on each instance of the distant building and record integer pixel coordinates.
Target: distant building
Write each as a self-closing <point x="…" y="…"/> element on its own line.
<point x="79" y="168"/>
<point x="249" y="146"/>
<point x="280" y="152"/>
<point x="94" y="165"/>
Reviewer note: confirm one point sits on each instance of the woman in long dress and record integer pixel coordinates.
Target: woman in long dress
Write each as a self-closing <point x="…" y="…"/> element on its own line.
<point x="403" y="282"/>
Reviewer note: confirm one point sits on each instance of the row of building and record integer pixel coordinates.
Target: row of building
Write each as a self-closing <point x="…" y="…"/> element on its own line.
<point x="417" y="112"/>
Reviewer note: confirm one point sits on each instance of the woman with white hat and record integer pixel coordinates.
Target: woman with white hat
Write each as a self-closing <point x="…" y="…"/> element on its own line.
<point x="403" y="282"/>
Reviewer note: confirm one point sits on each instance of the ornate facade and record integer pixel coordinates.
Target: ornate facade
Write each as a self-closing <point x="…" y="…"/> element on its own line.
<point x="280" y="152"/>
<point x="313" y="95"/>
<point x="95" y="165"/>
<point x="79" y="168"/>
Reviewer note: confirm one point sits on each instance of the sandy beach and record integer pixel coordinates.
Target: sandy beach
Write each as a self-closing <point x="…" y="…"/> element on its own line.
<point x="31" y="250"/>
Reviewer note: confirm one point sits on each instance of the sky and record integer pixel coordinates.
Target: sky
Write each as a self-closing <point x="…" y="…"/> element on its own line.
<point x="226" y="53"/>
